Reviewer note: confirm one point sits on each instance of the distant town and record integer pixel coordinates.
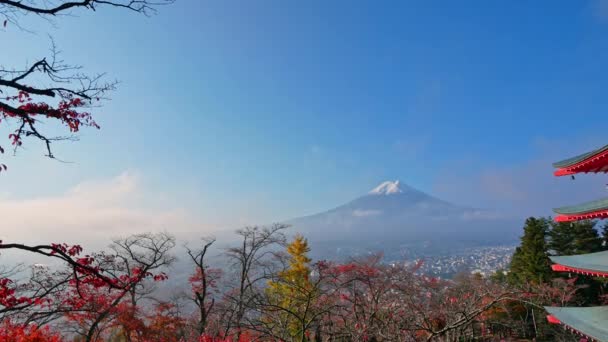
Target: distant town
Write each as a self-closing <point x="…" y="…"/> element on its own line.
<point x="482" y="260"/>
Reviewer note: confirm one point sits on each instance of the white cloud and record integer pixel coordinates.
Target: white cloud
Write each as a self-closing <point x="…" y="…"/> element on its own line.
<point x="91" y="213"/>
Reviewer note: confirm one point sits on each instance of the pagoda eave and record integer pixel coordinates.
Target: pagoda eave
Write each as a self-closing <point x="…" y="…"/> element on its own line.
<point x="587" y="322"/>
<point x="564" y="172"/>
<point x="591" y="162"/>
<point x="554" y="320"/>
<point x="591" y="264"/>
<point x="584" y="216"/>
<point x="592" y="273"/>
<point x="591" y="169"/>
<point x="597" y="209"/>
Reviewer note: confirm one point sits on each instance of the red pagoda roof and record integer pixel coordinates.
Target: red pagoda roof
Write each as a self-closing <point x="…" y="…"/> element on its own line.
<point x="594" y="161"/>
<point x="591" y="264"/>
<point x="586" y="216"/>
<point x="588" y="322"/>
<point x="590" y="210"/>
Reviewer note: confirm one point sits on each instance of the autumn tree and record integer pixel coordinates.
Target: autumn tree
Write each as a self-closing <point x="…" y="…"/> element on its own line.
<point x="374" y="301"/>
<point x="203" y="284"/>
<point x="49" y="91"/>
<point x="360" y="291"/>
<point x="26" y="333"/>
<point x="291" y="293"/>
<point x="166" y="323"/>
<point x="136" y="260"/>
<point x="468" y="307"/>
<point x="38" y="297"/>
<point x="252" y="264"/>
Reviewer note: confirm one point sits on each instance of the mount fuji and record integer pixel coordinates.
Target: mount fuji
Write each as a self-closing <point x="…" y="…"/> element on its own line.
<point x="396" y="218"/>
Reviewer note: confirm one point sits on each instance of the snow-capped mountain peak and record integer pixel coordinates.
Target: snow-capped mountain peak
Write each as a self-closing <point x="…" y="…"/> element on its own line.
<point x="388" y="188"/>
<point x="395" y="214"/>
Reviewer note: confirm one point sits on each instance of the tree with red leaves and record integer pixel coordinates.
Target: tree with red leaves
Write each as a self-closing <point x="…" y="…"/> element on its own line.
<point x="101" y="296"/>
<point x="203" y="284"/>
<point x="371" y="300"/>
<point x="36" y="298"/>
<point x="137" y="260"/>
<point x="27" y="333"/>
<point x="166" y="324"/>
<point x="50" y="90"/>
<point x="93" y="292"/>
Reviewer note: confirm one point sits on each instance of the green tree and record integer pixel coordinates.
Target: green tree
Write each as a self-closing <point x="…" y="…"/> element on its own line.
<point x="561" y="239"/>
<point x="571" y="238"/>
<point x="605" y="237"/>
<point x="530" y="261"/>
<point x="586" y="238"/>
<point x="499" y="277"/>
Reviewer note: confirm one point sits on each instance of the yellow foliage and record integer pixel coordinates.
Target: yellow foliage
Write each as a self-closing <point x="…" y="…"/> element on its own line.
<point x="292" y="290"/>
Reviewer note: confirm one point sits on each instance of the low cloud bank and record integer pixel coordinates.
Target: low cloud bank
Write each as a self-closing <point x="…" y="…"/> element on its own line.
<point x="91" y="213"/>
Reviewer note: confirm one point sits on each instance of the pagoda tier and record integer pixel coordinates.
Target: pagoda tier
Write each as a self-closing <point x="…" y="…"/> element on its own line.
<point x="589" y="322"/>
<point x="592" y="264"/>
<point x="594" y="161"/>
<point x="590" y="210"/>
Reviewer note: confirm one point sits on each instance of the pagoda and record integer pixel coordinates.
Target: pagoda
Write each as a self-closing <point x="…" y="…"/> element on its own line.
<point x="590" y="322"/>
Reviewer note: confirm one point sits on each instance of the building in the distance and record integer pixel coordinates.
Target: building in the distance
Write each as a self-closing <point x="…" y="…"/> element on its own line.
<point x="590" y="322"/>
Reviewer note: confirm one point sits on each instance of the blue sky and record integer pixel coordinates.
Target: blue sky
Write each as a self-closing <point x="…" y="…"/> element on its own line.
<point x="263" y="110"/>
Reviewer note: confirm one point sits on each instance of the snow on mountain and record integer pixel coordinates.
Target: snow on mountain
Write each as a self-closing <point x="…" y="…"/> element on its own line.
<point x="387" y="188"/>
